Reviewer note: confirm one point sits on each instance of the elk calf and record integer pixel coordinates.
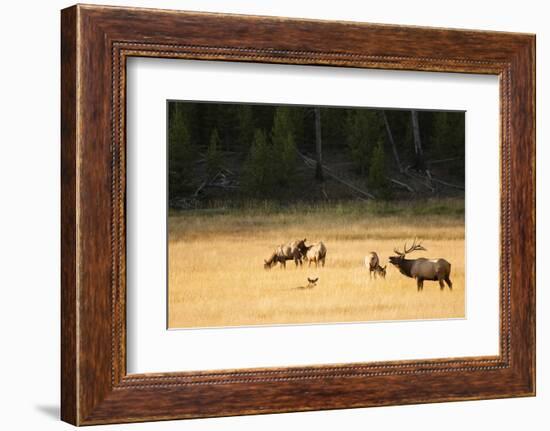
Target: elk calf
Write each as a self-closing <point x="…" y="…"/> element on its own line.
<point x="312" y="282"/>
<point x="372" y="262"/>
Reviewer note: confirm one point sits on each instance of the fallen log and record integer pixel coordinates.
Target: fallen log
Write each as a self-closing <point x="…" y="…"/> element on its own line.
<point x="435" y="162"/>
<point x="445" y="183"/>
<point x="401" y="184"/>
<point x="422" y="180"/>
<point x="311" y="163"/>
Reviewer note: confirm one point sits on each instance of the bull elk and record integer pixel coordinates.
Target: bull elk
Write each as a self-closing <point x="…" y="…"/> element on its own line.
<point x="422" y="269"/>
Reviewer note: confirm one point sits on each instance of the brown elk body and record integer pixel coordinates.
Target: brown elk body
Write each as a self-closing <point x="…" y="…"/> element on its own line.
<point x="422" y="269"/>
<point x="294" y="250"/>
<point x="317" y="254"/>
<point x="372" y="262"/>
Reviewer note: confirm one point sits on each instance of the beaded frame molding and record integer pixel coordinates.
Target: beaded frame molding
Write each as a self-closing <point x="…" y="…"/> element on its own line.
<point x="95" y="43"/>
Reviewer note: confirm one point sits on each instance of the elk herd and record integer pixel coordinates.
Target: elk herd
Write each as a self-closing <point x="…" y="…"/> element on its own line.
<point x="297" y="251"/>
<point x="421" y="269"/>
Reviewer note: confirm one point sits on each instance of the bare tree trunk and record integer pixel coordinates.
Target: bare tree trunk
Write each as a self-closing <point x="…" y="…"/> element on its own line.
<point x="318" y="145"/>
<point x="392" y="142"/>
<point x="416" y="134"/>
<point x="420" y="162"/>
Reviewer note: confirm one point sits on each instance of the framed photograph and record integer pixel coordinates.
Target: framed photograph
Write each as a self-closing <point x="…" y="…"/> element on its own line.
<point x="265" y="214"/>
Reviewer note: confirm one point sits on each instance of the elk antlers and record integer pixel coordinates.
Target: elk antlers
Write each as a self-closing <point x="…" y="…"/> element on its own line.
<point x="413" y="247"/>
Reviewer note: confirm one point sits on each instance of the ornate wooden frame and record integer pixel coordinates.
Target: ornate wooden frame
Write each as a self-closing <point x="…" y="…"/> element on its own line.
<point x="95" y="43"/>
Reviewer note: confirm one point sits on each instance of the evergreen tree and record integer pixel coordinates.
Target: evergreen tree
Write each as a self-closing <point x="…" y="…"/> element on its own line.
<point x="213" y="155"/>
<point x="245" y="127"/>
<point x="297" y="119"/>
<point x="363" y="129"/>
<point x="334" y="126"/>
<point x="209" y="118"/>
<point x="227" y="125"/>
<point x="182" y="152"/>
<point x="447" y="139"/>
<point x="263" y="116"/>
<point x="258" y="176"/>
<point x="447" y="134"/>
<point x="284" y="146"/>
<point x="377" y="171"/>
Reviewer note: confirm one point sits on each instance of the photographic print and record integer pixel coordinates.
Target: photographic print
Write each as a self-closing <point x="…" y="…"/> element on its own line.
<point x="285" y="220"/>
<point x="291" y="214"/>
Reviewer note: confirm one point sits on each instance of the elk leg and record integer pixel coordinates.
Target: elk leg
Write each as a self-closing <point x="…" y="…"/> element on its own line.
<point x="449" y="283"/>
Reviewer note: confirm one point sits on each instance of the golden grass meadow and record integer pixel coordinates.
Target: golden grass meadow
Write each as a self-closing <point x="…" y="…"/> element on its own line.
<point x="217" y="279"/>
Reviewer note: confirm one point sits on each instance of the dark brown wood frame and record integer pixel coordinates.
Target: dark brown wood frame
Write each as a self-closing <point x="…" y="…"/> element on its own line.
<point x="95" y="43"/>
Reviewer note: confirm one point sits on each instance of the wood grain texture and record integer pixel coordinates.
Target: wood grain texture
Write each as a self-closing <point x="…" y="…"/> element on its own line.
<point x="69" y="367"/>
<point x="96" y="41"/>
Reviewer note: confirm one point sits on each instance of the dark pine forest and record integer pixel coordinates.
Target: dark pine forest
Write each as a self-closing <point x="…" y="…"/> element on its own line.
<point x="222" y="152"/>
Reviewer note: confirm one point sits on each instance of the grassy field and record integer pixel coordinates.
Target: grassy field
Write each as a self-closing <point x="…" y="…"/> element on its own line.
<point x="216" y="274"/>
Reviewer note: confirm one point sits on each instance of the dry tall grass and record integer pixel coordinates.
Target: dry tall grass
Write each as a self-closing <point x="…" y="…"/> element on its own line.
<point x="216" y="275"/>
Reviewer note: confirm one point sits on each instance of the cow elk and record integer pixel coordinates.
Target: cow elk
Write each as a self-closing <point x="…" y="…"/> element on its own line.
<point x="316" y="254"/>
<point x="372" y="262"/>
<point x="294" y="250"/>
<point x="422" y="269"/>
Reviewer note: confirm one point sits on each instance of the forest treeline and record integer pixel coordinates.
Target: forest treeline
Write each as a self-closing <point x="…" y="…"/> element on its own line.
<point x="261" y="151"/>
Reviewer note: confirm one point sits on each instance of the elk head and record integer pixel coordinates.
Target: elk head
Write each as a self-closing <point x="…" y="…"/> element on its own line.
<point x="396" y="260"/>
<point x="272" y="261"/>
